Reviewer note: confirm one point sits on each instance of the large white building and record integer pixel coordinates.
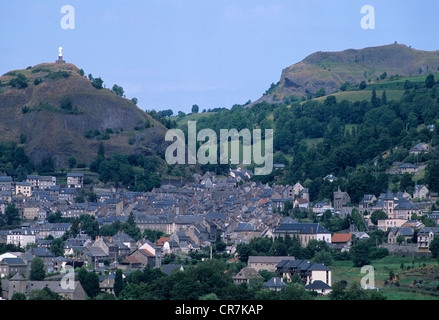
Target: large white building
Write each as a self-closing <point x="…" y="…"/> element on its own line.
<point x="21" y="237"/>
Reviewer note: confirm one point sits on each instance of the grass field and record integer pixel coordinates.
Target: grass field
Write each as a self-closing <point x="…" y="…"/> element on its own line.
<point x="191" y="117"/>
<point x="414" y="269"/>
<point x="353" y="96"/>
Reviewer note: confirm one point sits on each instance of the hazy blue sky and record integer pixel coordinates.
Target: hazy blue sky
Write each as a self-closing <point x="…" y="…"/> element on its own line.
<point x="214" y="53"/>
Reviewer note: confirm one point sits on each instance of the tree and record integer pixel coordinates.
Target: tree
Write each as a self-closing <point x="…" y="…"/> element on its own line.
<point x="97" y="83"/>
<point x="37" y="272"/>
<point x="374" y="100"/>
<point x="18" y="296"/>
<point x="384" y="98"/>
<point x="118" y="282"/>
<point x="294" y="291"/>
<point x="118" y="90"/>
<point x="135" y="101"/>
<point x="66" y="103"/>
<point x="321" y="92"/>
<point x="434" y="247"/>
<point x="377" y="215"/>
<point x="195" y="108"/>
<point x="338" y="290"/>
<point x="360" y="254"/>
<point x="400" y="239"/>
<point x="429" y="81"/>
<point x="12" y="215"/>
<point x="72" y="162"/>
<point x="57" y="247"/>
<point x="323" y="257"/>
<point x="363" y="85"/>
<point x="44" y="294"/>
<point x="89" y="281"/>
<point x="20" y="81"/>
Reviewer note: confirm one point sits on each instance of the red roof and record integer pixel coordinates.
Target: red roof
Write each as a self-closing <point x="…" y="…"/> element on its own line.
<point x="341" y="237"/>
<point x="161" y="241"/>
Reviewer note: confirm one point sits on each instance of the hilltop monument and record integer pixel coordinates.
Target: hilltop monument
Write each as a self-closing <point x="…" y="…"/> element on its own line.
<point x="60" y="59"/>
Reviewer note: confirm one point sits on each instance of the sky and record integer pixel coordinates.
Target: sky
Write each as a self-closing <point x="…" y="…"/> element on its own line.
<point x="172" y="54"/>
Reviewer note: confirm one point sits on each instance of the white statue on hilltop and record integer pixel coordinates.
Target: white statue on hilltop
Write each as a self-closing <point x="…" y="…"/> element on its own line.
<point x="60" y="51"/>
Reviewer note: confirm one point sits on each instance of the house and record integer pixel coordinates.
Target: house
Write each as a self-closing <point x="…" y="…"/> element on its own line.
<point x="125" y="239"/>
<point x="21" y="237"/>
<point x="366" y="202"/>
<point x="386" y="224"/>
<point x="420" y="147"/>
<point x="110" y="249"/>
<point x="278" y="166"/>
<point x="75" y="246"/>
<point x="163" y="222"/>
<point x="34" y="180"/>
<point x="301" y="203"/>
<point x="268" y="263"/>
<point x="308" y="271"/>
<point x="12" y="265"/>
<point x="340" y="199"/>
<point x="244" y="232"/>
<point x="67" y="194"/>
<point x="404" y="209"/>
<point x="304" y="231"/>
<point x="23" y="188"/>
<point x="94" y="256"/>
<point x="407" y="168"/>
<point x="5" y="183"/>
<point x="405" y="232"/>
<point x="106" y="284"/>
<point x="17" y="283"/>
<point x="31" y="210"/>
<point x="46" y="182"/>
<point x="342" y="241"/>
<point x="146" y="255"/>
<point x="275" y="284"/>
<point x="75" y="180"/>
<point x="396" y="206"/>
<point x="330" y="178"/>
<point x="420" y="192"/>
<point x="320" y="287"/>
<point x="425" y="236"/>
<point x="245" y="275"/>
<point x="169" y="268"/>
<point x="322" y="206"/>
<point x="45" y="254"/>
<point x="55" y="230"/>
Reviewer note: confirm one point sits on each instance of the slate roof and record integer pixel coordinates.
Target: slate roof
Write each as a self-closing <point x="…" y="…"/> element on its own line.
<point x="14" y="262"/>
<point x="275" y="282"/>
<point x="247" y="273"/>
<point x="300" y="265"/>
<point x="168" y="268"/>
<point x="318" y="285"/>
<point x="302" y="228"/>
<point x="244" y="226"/>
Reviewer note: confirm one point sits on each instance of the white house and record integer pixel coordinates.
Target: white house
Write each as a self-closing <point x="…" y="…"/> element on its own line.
<point x="20" y="237"/>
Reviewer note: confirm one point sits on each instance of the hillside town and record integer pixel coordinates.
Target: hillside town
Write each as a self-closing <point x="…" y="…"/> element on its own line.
<point x="193" y="216"/>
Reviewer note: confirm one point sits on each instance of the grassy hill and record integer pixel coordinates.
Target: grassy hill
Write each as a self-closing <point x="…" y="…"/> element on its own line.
<point x="54" y="111"/>
<point x="329" y="70"/>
